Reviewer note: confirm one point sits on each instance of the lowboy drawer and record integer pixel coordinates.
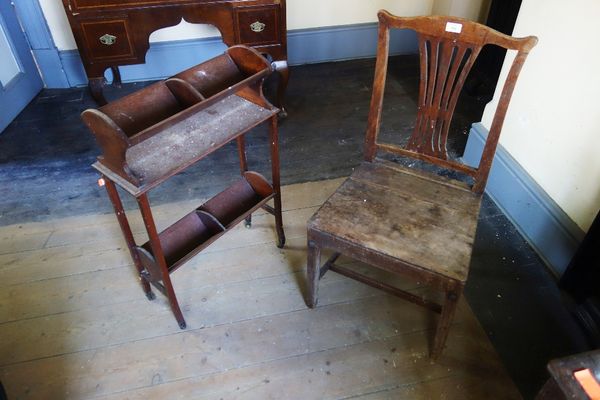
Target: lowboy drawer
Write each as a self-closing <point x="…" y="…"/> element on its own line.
<point x="258" y="25"/>
<point x="107" y="39"/>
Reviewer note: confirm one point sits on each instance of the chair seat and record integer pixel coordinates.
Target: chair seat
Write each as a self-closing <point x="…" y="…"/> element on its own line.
<point x="420" y="219"/>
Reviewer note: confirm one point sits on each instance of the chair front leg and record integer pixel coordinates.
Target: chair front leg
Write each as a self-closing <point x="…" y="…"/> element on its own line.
<point x="448" y="310"/>
<point x="313" y="266"/>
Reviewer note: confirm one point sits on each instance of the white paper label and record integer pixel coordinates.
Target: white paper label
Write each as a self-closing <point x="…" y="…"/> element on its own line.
<point x="453" y="27"/>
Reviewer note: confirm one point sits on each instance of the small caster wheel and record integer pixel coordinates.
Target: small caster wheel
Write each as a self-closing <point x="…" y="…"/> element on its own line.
<point x="150" y="296"/>
<point x="282" y="113"/>
<point x="281" y="242"/>
<point x="182" y="325"/>
<point x="248" y="224"/>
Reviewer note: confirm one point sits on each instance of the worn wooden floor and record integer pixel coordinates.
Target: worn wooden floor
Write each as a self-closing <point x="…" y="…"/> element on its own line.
<point x="75" y="324"/>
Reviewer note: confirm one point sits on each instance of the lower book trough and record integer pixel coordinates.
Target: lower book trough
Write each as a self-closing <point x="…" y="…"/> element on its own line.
<point x="204" y="225"/>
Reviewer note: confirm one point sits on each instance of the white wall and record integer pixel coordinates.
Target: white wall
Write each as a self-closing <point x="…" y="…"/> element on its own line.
<point x="300" y="14"/>
<point x="475" y="10"/>
<point x="553" y="123"/>
<point x="317" y="13"/>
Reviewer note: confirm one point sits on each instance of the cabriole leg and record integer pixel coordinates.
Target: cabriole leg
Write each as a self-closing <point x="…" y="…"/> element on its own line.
<point x="96" y="86"/>
<point x="116" y="82"/>
<point x="284" y="77"/>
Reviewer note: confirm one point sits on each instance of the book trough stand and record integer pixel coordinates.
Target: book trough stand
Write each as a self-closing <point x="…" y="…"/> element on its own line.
<point x="159" y="131"/>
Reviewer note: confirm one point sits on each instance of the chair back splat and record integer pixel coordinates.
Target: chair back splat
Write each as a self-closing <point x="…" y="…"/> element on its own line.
<point x="448" y="48"/>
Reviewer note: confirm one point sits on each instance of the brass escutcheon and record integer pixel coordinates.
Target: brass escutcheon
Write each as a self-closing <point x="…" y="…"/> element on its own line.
<point x="108" y="40"/>
<point x="257" y="26"/>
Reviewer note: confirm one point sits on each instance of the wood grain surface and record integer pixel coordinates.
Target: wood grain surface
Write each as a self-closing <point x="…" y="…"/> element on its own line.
<point x="74" y="324"/>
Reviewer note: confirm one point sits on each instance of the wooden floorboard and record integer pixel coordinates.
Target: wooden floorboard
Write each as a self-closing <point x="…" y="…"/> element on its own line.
<point x="75" y="325"/>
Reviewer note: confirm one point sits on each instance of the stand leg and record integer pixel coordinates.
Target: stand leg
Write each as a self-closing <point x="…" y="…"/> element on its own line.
<point x="448" y="310"/>
<point x="126" y="229"/>
<point x="158" y="254"/>
<point x="241" y="142"/>
<point x="96" y="86"/>
<point x="313" y="269"/>
<point x="284" y="77"/>
<point x="274" y="137"/>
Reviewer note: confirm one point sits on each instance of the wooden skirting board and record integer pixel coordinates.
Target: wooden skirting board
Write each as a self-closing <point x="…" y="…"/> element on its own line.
<point x="74" y="324"/>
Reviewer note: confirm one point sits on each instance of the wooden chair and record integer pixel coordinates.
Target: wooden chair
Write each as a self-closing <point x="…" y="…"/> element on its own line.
<point x="404" y="220"/>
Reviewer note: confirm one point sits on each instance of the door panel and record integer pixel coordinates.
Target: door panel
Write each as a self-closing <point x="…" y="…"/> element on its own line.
<point x="19" y="77"/>
<point x="9" y="67"/>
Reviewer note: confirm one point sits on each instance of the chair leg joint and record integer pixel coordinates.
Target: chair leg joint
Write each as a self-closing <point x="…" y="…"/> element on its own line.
<point x="452" y="296"/>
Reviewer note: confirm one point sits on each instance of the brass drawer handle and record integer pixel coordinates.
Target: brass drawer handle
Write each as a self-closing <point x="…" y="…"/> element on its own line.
<point x="257" y="26"/>
<point x="108" y="40"/>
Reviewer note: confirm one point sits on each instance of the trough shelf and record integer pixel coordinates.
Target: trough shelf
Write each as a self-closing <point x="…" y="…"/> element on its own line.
<point x="204" y="225"/>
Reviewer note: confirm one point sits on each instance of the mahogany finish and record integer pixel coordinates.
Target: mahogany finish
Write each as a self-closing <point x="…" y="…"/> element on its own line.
<point x="110" y="33"/>
<point x="403" y="220"/>
<point x="151" y="135"/>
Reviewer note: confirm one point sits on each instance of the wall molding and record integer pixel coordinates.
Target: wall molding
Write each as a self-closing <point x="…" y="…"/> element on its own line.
<point x="547" y="228"/>
<point x="317" y="45"/>
<point x="305" y="46"/>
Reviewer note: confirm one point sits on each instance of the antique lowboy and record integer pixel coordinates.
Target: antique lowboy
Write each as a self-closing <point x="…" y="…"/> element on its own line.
<point x="110" y="33"/>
